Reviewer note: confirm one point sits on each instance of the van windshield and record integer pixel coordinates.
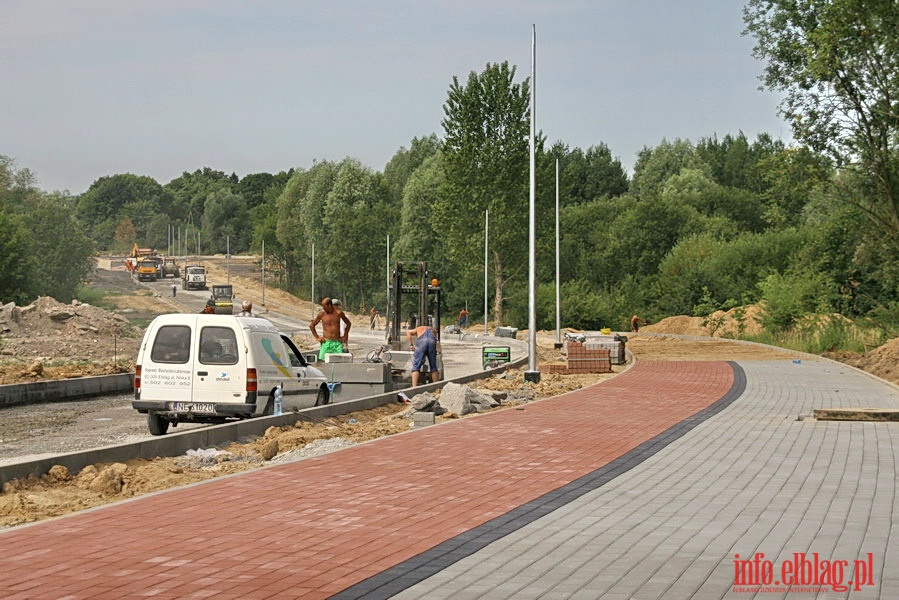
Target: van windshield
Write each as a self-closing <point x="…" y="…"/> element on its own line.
<point x="218" y="346"/>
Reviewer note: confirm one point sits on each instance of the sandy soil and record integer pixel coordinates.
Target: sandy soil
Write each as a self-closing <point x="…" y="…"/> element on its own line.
<point x="50" y="340"/>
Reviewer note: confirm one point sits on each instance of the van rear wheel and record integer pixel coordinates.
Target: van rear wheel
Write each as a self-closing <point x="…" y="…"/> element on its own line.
<point x="269" y="409"/>
<point x="156" y="424"/>
<point x="323" y="396"/>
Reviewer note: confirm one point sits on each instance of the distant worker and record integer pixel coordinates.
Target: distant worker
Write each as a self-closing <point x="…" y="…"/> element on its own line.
<point x="246" y="309"/>
<point x="374" y="317"/>
<point x="424" y="346"/>
<point x="463" y="317"/>
<point x="174" y="290"/>
<point x="209" y="309"/>
<point x="635" y="324"/>
<point x="332" y="340"/>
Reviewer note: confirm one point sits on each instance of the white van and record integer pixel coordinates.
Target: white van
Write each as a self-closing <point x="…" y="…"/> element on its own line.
<point x="207" y="368"/>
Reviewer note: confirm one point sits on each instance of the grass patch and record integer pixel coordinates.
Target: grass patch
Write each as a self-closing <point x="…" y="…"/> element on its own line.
<point x="817" y="336"/>
<point x="94" y="297"/>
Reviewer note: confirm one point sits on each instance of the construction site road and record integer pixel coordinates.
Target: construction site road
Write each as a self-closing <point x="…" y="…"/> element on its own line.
<point x="42" y="430"/>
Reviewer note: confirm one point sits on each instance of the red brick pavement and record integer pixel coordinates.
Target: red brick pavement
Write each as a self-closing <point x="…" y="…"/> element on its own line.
<point x="312" y="528"/>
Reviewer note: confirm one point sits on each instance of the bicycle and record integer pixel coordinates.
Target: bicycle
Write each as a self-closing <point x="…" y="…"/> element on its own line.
<point x="380" y="355"/>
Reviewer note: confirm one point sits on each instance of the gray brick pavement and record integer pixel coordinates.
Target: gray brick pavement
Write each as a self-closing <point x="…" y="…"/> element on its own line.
<point x="751" y="479"/>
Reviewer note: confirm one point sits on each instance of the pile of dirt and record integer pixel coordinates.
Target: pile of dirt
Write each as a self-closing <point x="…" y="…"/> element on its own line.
<point x="51" y="340"/>
<point x="883" y="361"/>
<point x="48" y="317"/>
<point x="742" y="320"/>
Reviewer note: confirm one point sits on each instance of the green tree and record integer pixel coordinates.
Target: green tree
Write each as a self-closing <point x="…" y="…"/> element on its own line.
<point x="63" y="253"/>
<point x="44" y="251"/>
<point x="255" y="187"/>
<point x="300" y="219"/>
<point x="404" y="163"/>
<point x="189" y="194"/>
<point x="418" y="240"/>
<point x="486" y="157"/>
<point x="357" y="218"/>
<point x="110" y="199"/>
<point x="125" y="236"/>
<point x="584" y="176"/>
<point x="655" y="165"/>
<point x="726" y="271"/>
<point x="264" y="219"/>
<point x="224" y="222"/>
<point x="791" y="176"/>
<point x="15" y="258"/>
<point x="693" y="187"/>
<point x="837" y="62"/>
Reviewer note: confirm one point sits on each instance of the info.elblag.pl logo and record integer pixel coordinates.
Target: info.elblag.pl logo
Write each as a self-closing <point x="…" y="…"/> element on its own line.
<point x="758" y="574"/>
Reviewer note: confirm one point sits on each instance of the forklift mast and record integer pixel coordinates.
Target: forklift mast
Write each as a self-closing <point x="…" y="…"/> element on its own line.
<point x="415" y="295"/>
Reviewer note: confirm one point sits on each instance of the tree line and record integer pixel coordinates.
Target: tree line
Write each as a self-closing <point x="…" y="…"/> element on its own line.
<point x="699" y="226"/>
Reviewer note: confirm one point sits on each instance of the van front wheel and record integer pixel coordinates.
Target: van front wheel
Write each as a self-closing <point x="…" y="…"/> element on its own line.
<point x="156" y="424"/>
<point x="323" y="396"/>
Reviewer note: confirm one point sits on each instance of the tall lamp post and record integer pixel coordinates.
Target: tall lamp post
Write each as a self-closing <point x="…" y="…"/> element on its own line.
<point x="486" y="228"/>
<point x="558" y="343"/>
<point x="532" y="374"/>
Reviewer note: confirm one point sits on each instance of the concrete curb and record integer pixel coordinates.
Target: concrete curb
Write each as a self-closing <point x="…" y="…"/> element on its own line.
<point x="59" y="390"/>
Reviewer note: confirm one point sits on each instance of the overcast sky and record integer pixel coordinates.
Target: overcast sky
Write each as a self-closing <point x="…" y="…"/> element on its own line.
<point x="91" y="88"/>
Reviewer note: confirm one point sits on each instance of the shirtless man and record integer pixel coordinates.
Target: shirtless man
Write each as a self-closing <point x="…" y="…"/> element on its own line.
<point x="331" y="340"/>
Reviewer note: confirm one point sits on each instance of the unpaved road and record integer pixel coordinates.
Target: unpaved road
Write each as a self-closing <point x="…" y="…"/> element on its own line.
<point x="40" y="430"/>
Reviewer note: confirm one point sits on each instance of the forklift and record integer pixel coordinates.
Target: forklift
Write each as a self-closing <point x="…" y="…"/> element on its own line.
<point x="415" y="295"/>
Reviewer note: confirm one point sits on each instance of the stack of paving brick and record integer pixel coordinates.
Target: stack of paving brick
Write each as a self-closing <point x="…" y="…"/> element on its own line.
<point x="582" y="359"/>
<point x="613" y="343"/>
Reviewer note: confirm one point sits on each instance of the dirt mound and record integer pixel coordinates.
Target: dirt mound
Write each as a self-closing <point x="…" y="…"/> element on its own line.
<point x="44" y="339"/>
<point x="679" y="325"/>
<point x="742" y="320"/>
<point x="46" y="316"/>
<point x="882" y="361"/>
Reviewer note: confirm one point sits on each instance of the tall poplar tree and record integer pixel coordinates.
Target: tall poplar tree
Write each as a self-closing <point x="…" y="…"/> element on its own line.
<point x="485" y="150"/>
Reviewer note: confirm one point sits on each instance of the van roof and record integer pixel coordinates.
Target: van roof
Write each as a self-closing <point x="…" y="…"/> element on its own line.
<point x="249" y="323"/>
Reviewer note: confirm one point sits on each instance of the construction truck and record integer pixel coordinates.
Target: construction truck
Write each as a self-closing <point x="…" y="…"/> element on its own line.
<point x="193" y="277"/>
<point x="223" y="298"/>
<point x="169" y="268"/>
<point x="148" y="268"/>
<point x="137" y="254"/>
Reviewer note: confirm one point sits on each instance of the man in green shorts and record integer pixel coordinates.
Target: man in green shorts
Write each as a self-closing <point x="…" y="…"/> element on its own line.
<point x="331" y="340"/>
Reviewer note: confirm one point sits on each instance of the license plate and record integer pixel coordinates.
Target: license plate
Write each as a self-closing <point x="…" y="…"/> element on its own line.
<point x="193" y="407"/>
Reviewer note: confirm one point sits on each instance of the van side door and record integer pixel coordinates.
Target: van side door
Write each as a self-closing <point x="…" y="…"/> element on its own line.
<point x="219" y="375"/>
